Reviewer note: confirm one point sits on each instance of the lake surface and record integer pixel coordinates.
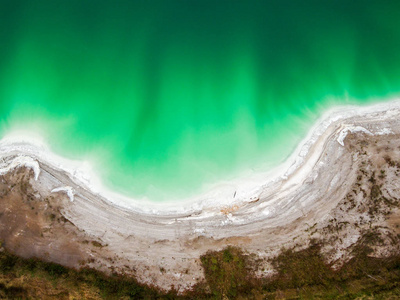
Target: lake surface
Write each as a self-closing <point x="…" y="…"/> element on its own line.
<point x="165" y="97"/>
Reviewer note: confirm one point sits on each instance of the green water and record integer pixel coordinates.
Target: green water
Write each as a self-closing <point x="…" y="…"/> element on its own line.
<point x="167" y="96"/>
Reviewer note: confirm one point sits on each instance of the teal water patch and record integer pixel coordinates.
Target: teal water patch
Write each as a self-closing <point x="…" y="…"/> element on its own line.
<point x="165" y="97"/>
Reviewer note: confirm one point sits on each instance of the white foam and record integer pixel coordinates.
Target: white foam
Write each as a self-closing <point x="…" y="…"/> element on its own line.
<point x="29" y="149"/>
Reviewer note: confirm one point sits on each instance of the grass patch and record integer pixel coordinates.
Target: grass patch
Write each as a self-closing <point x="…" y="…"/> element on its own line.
<point x="303" y="275"/>
<point x="301" y="268"/>
<point x="227" y="272"/>
<point x="33" y="278"/>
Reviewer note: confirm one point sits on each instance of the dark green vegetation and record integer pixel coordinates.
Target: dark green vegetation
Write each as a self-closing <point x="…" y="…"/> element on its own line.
<point x="304" y="275"/>
<point x="33" y="278"/>
<point x="229" y="275"/>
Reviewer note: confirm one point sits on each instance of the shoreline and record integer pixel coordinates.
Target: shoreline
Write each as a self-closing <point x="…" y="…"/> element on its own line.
<point x="71" y="225"/>
<point x="244" y="189"/>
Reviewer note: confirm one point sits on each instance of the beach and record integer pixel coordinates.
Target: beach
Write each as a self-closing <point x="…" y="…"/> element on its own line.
<point x="92" y="226"/>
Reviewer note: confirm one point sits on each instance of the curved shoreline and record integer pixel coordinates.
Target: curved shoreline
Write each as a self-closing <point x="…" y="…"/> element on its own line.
<point x="140" y="242"/>
<point x="244" y="189"/>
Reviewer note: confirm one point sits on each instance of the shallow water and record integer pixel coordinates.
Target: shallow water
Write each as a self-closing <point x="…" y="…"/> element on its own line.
<point x="164" y="97"/>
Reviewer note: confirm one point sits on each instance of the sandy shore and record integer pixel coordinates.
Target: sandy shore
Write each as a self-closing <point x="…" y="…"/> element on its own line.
<point x="109" y="232"/>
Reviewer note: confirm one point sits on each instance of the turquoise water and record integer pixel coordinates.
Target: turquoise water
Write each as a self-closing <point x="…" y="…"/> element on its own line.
<point x="165" y="97"/>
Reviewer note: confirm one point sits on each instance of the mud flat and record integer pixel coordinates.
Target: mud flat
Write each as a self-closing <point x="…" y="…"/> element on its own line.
<point x="52" y="210"/>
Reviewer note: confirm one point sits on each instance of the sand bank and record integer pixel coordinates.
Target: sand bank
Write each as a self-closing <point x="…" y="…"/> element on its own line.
<point x="140" y="237"/>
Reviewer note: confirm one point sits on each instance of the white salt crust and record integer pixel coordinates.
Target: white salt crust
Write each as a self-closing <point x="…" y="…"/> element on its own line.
<point x="23" y="148"/>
